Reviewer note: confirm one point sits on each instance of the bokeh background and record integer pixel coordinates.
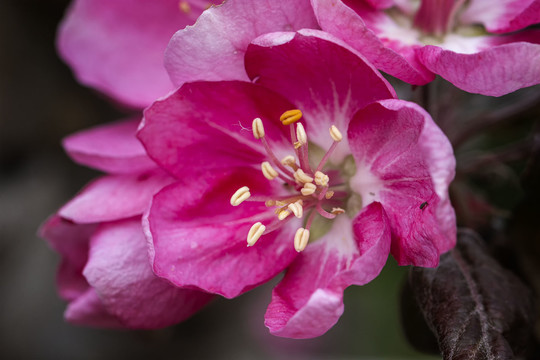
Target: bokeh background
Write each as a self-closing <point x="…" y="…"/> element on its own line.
<point x="40" y="103"/>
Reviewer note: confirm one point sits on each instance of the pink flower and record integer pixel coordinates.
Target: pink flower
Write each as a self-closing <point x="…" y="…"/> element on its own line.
<point x="116" y="46"/>
<point x="105" y="274"/>
<point x="464" y="42"/>
<point x="359" y="176"/>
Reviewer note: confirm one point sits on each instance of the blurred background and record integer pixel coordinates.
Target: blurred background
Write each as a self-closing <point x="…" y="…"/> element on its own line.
<point x="40" y="103"/>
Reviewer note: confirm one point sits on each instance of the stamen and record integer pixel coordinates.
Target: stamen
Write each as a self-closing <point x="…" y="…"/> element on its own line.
<point x="337" y="211"/>
<point x="268" y="171"/>
<point x="329" y="194"/>
<point x="183" y="5"/>
<point x="337" y="137"/>
<point x="258" y="128"/>
<point x="321" y="178"/>
<point x="240" y="196"/>
<point x="297" y="209"/>
<point x="335" y="133"/>
<point x="308" y="189"/>
<point x="270" y="203"/>
<point x="290" y="117"/>
<point x="290" y="161"/>
<point x="283" y="214"/>
<point x="301" y="134"/>
<point x="255" y="233"/>
<point x="302" y="177"/>
<point x="301" y="239"/>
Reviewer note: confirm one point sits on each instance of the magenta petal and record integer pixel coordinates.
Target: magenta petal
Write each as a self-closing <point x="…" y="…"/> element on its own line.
<point x="88" y="310"/>
<point x="391" y="55"/>
<point x="299" y="67"/>
<point x="112" y="148"/>
<point x="119" y="270"/>
<point x="309" y="299"/>
<point x="493" y="71"/>
<point x="207" y="126"/>
<point x="441" y="163"/>
<point x="71" y="242"/>
<point x="213" y="49"/>
<point x="503" y="15"/>
<point x="114" y="197"/>
<point x="384" y="140"/>
<point x="379" y="4"/>
<point x="117" y="46"/>
<point x="198" y="239"/>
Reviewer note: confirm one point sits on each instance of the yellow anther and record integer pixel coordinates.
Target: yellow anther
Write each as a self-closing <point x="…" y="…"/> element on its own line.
<point x="290" y="117"/>
<point x="337" y="211"/>
<point x="301" y="134"/>
<point x="329" y="194"/>
<point x="302" y="177"/>
<point x="240" y="196"/>
<point x="184" y="6"/>
<point x="335" y="133"/>
<point x="308" y="189"/>
<point x="301" y="239"/>
<point x="255" y="233"/>
<point x="268" y="171"/>
<point x="283" y="214"/>
<point x="289" y="161"/>
<point x="297" y="209"/>
<point x="321" y="178"/>
<point x="258" y="128"/>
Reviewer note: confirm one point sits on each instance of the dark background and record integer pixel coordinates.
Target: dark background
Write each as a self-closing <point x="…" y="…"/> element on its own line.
<point x="40" y="102"/>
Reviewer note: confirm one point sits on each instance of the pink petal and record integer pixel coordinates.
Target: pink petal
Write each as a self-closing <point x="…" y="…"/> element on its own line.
<point x="379" y="4"/>
<point x="389" y="46"/>
<point x="441" y="163"/>
<point x="207" y="126"/>
<point x="71" y="242"/>
<point x="88" y="310"/>
<point x="112" y="148"/>
<point x="493" y="71"/>
<point x="119" y="270"/>
<point x="503" y="15"/>
<point x="308" y="69"/>
<point x="114" y="197"/>
<point x="199" y="240"/>
<point x="213" y="49"/>
<point x="392" y="168"/>
<point x="309" y="299"/>
<point x="117" y="46"/>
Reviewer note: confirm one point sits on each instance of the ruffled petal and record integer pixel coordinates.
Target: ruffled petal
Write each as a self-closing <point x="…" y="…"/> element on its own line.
<point x="206" y="126"/>
<point x="112" y="148"/>
<point x="70" y="240"/>
<point x="389" y="46"/>
<point x="197" y="239"/>
<point x="441" y="163"/>
<point x="117" y="46"/>
<point x="493" y="71"/>
<point x="307" y="68"/>
<point x="114" y="197"/>
<point x="309" y="299"/>
<point x="119" y="270"/>
<point x="88" y="310"/>
<point x="503" y="15"/>
<point x="392" y="168"/>
<point x="213" y="49"/>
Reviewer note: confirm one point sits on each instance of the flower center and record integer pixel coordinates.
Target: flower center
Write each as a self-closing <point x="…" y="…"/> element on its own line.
<point x="312" y="190"/>
<point x="436" y="17"/>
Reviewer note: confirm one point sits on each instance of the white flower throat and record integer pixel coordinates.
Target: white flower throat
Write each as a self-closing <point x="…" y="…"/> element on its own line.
<point x="311" y="188"/>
